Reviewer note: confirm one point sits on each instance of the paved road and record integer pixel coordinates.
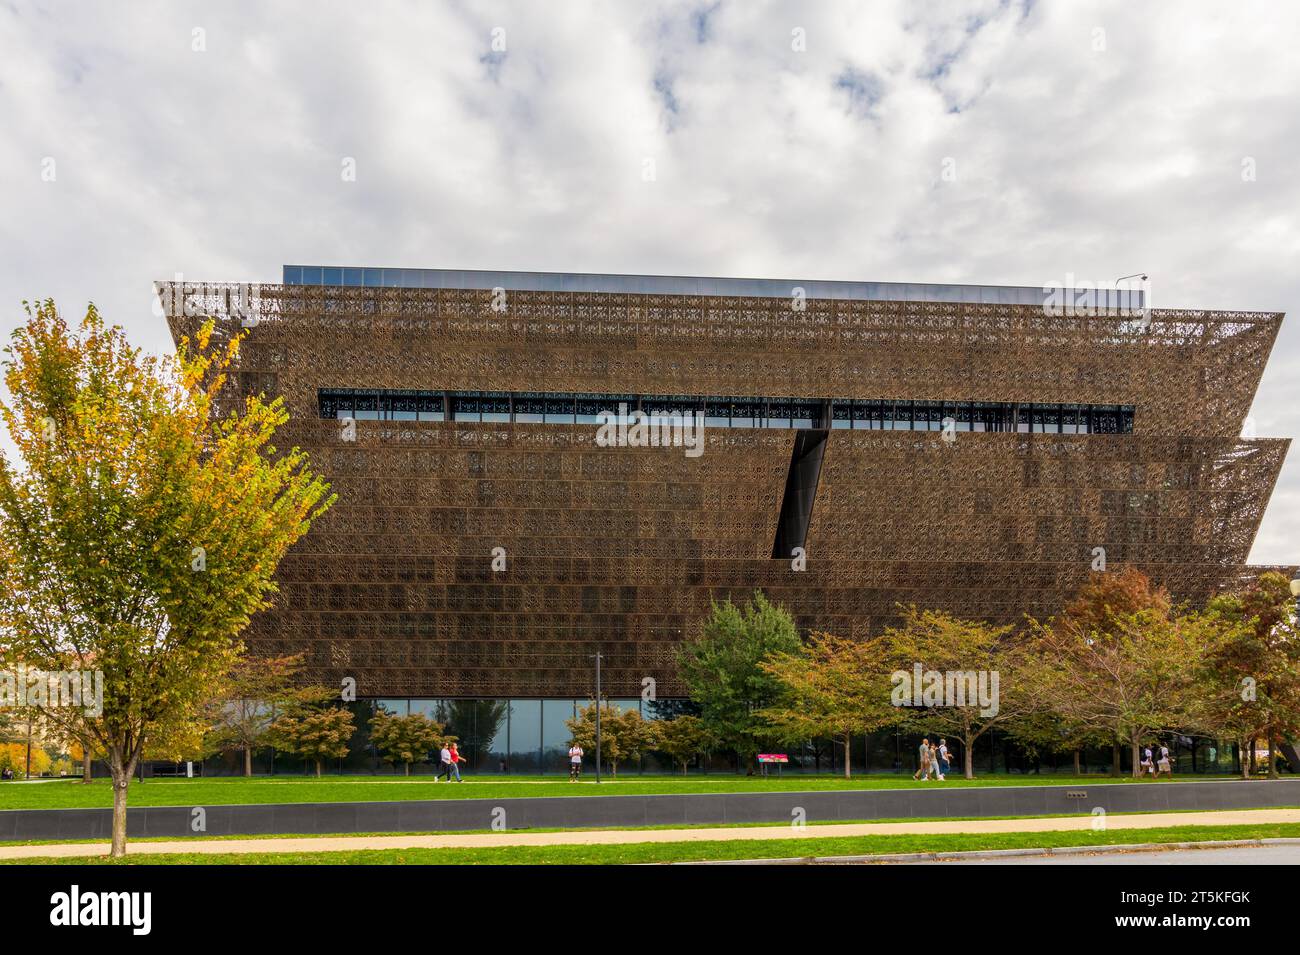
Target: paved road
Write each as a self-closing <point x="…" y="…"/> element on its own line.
<point x="1241" y="855"/>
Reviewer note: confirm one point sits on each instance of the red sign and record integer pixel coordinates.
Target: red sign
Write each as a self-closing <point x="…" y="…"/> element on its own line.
<point x="773" y="758"/>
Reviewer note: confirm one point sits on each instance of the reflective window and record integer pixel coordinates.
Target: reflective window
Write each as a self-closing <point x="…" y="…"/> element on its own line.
<point x="336" y="404"/>
<point x="525" y="735"/>
<point x="529" y="407"/>
<point x="495" y="406"/>
<point x="556" y="734"/>
<point x="717" y="413"/>
<point x="431" y="407"/>
<point x="778" y="412"/>
<point x="480" y="728"/>
<point x="464" y="407"/>
<point x="805" y="413"/>
<point x="723" y="412"/>
<point x="589" y="406"/>
<point x="746" y="412"/>
<point x="366" y="406"/>
<point x="403" y="406"/>
<point x="559" y="409"/>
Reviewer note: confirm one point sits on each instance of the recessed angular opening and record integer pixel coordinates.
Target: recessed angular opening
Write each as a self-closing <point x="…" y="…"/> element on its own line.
<point x="800" y="491"/>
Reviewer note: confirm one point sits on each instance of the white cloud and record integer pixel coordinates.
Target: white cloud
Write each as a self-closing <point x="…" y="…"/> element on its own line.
<point x="1070" y="158"/>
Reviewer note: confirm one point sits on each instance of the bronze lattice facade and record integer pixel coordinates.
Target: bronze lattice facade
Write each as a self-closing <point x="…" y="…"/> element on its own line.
<point x="621" y="549"/>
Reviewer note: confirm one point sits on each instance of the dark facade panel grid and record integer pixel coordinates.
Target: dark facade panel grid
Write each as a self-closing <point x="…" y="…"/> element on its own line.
<point x="622" y="549"/>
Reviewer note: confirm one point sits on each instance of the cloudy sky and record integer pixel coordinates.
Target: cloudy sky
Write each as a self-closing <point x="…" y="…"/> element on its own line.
<point x="986" y="142"/>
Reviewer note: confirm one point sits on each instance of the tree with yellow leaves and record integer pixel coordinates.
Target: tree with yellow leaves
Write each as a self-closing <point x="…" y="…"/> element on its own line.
<point x="140" y="526"/>
<point x="831" y="686"/>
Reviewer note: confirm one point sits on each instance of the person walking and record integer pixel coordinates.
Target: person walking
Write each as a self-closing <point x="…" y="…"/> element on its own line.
<point x="1164" y="765"/>
<point x="944" y="762"/>
<point x="445" y="764"/>
<point x="456" y="760"/>
<point x="923" y="755"/>
<point x="575" y="762"/>
<point x="1147" y="766"/>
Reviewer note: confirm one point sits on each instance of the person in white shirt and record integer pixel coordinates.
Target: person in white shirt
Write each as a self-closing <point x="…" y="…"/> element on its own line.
<point x="446" y="767"/>
<point x="944" y="764"/>
<point x="575" y="762"/>
<point x="1147" y="765"/>
<point x="1163" y="766"/>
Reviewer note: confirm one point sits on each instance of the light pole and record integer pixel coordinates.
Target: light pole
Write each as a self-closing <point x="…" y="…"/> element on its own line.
<point x="598" y="657"/>
<point x="1142" y="278"/>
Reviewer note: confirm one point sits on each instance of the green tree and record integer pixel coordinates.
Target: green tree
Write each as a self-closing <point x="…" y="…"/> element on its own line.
<point x="1253" y="675"/>
<point x="623" y="733"/>
<point x="314" y="727"/>
<point x="241" y="713"/>
<point x="968" y="671"/>
<point x="680" y="739"/>
<point x="723" y="672"/>
<point x="1105" y="596"/>
<point x="406" y="739"/>
<point x="139" y="527"/>
<point x="1135" y="676"/>
<point x="1039" y="728"/>
<point x="831" y="686"/>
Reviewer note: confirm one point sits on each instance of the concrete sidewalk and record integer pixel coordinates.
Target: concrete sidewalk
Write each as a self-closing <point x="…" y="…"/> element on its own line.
<point x="627" y="836"/>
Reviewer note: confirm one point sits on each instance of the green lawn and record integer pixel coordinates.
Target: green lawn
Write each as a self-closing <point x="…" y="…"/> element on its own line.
<point x="73" y="794"/>
<point x="701" y="851"/>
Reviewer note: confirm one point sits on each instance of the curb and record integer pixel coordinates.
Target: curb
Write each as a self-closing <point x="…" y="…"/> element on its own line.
<point x="993" y="855"/>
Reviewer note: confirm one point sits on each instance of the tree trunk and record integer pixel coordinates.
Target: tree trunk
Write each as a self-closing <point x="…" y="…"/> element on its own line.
<point x="1136" y="746"/>
<point x="408" y="768"/>
<point x="1272" y="758"/>
<point x="848" y="741"/>
<point x="1114" y="759"/>
<point x="248" y="761"/>
<point x="968" y="758"/>
<point x="318" y="769"/>
<point x="684" y="762"/>
<point x="1078" y="770"/>
<point x="121" y="780"/>
<point x="85" y="764"/>
<point x="1241" y="758"/>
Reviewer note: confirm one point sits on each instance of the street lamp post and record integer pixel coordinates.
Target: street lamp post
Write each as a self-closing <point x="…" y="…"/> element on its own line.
<point x="1146" y="306"/>
<point x="598" y="657"/>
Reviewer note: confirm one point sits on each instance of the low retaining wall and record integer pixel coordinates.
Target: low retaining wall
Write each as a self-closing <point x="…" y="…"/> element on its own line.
<point x="685" y="809"/>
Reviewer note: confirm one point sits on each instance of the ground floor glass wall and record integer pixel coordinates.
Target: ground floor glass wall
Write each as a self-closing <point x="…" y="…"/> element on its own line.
<point x="531" y="736"/>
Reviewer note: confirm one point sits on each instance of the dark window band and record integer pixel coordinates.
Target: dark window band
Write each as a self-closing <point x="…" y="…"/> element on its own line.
<point x="504" y="407"/>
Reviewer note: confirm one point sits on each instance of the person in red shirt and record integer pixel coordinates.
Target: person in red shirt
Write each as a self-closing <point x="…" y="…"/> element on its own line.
<point x="456" y="760"/>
